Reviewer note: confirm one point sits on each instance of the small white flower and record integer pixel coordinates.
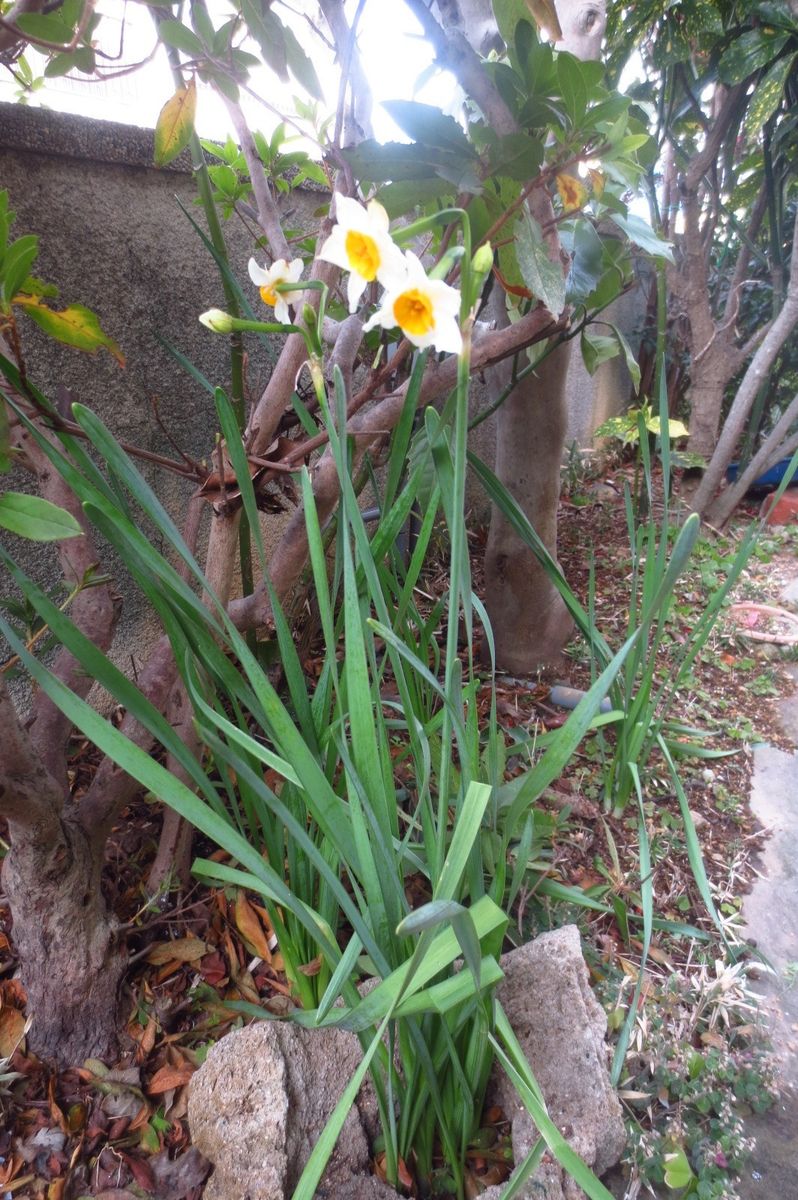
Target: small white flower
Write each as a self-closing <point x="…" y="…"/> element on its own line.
<point x="426" y="310"/>
<point x="266" y="280"/>
<point x="361" y="244"/>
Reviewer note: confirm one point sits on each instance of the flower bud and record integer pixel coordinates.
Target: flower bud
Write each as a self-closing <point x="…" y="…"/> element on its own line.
<point x="483" y="259"/>
<point x="309" y="316"/>
<point x="218" y="321"/>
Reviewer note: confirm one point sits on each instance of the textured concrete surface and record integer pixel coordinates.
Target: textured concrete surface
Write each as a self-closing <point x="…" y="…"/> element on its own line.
<point x="771" y="914"/>
<point x="113" y="237"/>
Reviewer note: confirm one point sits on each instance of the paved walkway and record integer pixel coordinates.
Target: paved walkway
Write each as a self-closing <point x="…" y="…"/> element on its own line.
<point x="771" y="914"/>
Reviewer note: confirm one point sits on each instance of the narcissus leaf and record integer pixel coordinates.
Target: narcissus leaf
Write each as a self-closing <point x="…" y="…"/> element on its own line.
<point x="175" y="124"/>
<point x="76" y="326"/>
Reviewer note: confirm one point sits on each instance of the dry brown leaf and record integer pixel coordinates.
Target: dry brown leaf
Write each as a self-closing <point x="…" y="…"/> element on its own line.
<point x="12" y="1029"/>
<point x="181" y="950"/>
<point x="169" y="1077"/>
<point x="250" y="928"/>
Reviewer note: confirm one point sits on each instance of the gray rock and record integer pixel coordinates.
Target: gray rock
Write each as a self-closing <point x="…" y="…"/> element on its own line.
<point x="259" y="1103"/>
<point x="561" y="1028"/>
<point x="260" y="1100"/>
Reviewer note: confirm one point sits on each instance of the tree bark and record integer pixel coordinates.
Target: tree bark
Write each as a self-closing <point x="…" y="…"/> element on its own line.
<point x="70" y="955"/>
<point x="777" y="445"/>
<point x="530" y="621"/>
<point x="531" y="624"/>
<point x="753" y="379"/>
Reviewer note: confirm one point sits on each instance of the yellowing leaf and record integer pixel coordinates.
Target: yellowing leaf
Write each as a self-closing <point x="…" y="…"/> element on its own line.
<point x="545" y="14"/>
<point x="251" y="929"/>
<point x="76" y="326"/>
<point x="573" y="193"/>
<point x="175" y="124"/>
<point x="183" y="950"/>
<point x="599" y="181"/>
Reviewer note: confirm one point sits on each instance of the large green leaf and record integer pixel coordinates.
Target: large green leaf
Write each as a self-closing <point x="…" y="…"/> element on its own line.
<point x="540" y="274"/>
<point x="768" y="95"/>
<point x="35" y="518"/>
<point x="396" y="161"/>
<point x="752" y="50"/>
<point x="587" y="262"/>
<point x="15" y="266"/>
<point x="641" y="233"/>
<point x="426" y="124"/>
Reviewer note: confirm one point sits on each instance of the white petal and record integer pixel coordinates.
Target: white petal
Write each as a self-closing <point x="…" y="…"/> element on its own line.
<point x="355" y="287"/>
<point x="334" y="249"/>
<point x="378" y="216"/>
<point x="281" y="312"/>
<point x="447" y="338"/>
<point x="392" y="271"/>
<point x="349" y="213"/>
<point x="383" y="316"/>
<point x="258" y="275"/>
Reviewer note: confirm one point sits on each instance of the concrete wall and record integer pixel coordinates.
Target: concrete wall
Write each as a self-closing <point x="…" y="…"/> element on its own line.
<point x="113" y="237"/>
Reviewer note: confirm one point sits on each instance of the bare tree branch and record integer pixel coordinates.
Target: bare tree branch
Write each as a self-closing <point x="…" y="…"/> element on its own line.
<point x="774" y="447"/>
<point x="760" y="364"/>
<point x="352" y="74"/>
<point x="268" y="213"/>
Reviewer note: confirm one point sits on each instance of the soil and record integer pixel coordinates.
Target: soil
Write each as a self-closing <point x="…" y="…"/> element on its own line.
<point x="119" y="1129"/>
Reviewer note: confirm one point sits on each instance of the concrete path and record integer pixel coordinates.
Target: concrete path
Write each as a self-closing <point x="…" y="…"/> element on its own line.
<point x="771" y="915"/>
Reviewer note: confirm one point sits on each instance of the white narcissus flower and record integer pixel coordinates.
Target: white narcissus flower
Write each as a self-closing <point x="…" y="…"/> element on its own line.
<point x="361" y="244"/>
<point x="426" y="310"/>
<point x="266" y="280"/>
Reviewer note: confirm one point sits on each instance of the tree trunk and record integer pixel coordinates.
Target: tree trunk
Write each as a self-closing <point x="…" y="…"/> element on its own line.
<point x="530" y="621"/>
<point x="62" y="931"/>
<point x="706" y="401"/>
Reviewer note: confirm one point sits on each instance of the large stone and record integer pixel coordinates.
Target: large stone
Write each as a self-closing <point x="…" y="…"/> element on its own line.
<point x="259" y="1103"/>
<point x="264" y="1094"/>
<point x="561" y="1028"/>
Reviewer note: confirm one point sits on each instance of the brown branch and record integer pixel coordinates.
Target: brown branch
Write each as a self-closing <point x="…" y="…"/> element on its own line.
<point x="744" y="257"/>
<point x="352" y="74"/>
<point x="30" y="798"/>
<point x="774" y="447"/>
